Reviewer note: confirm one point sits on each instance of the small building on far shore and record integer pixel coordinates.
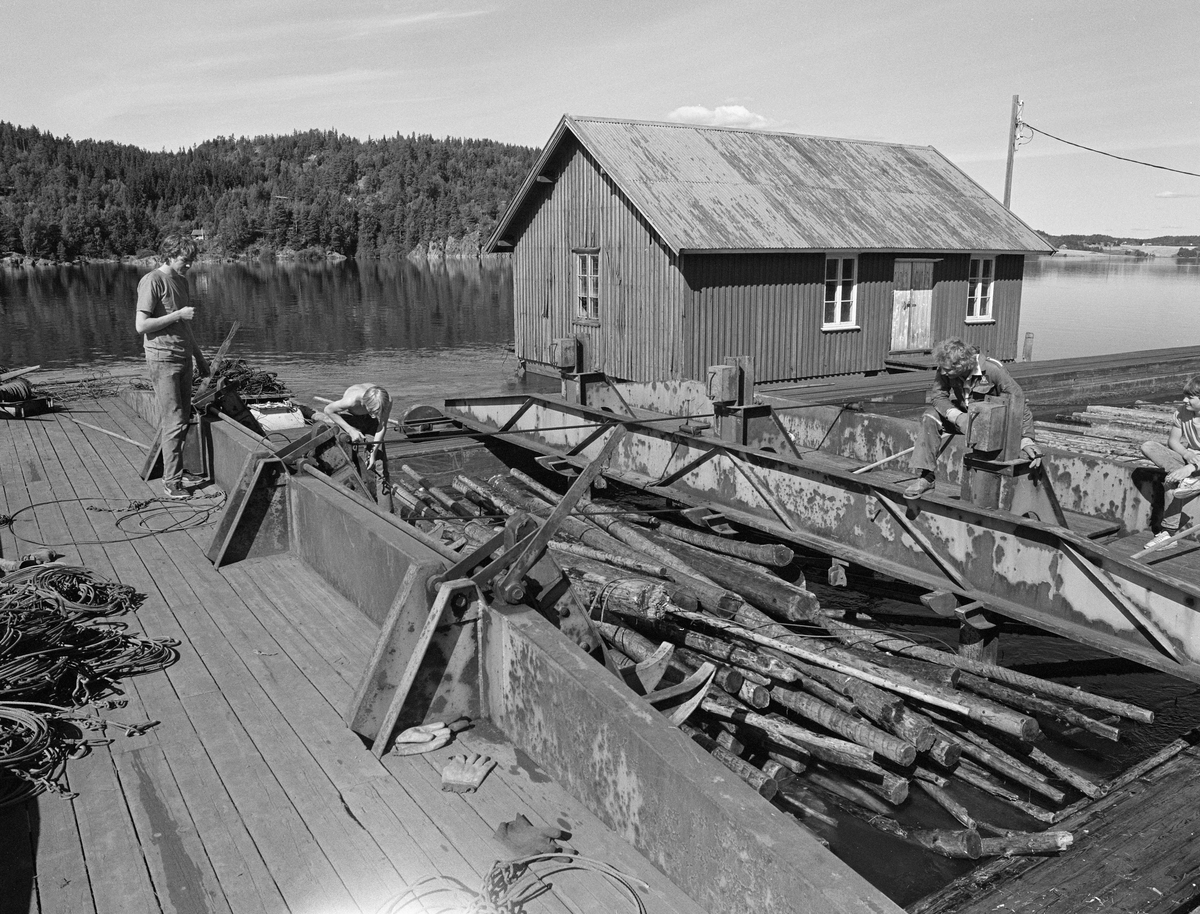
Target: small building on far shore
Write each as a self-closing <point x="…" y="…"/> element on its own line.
<point x="665" y="248"/>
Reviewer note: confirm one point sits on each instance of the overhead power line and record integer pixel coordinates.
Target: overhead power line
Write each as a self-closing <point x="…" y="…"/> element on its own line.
<point x="1178" y="171"/>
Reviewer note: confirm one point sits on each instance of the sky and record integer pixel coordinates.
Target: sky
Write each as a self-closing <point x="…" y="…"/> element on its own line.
<point x="1121" y="77"/>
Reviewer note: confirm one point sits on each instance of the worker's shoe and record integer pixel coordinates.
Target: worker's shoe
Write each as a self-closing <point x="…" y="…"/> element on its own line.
<point x="921" y="485"/>
<point x="176" y="491"/>
<point x="1189" y="485"/>
<point x="191" y="481"/>
<point x="1162" y="540"/>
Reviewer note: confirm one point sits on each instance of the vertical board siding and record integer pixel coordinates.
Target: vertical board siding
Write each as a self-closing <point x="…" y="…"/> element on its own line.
<point x="997" y="339"/>
<point x="771" y="307"/>
<point x="641" y="301"/>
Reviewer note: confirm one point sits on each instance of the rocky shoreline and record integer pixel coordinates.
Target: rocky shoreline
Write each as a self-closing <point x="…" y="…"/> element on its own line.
<point x="467" y="247"/>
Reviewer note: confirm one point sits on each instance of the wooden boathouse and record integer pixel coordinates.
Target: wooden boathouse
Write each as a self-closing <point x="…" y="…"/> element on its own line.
<point x="649" y="251"/>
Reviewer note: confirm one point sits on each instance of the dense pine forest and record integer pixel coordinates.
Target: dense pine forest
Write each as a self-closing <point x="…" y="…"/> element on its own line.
<point x="311" y="193"/>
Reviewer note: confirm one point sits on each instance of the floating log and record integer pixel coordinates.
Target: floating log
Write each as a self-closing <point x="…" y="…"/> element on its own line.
<point x="625" y="596"/>
<point x="759" y="587"/>
<point x="898" y="645"/>
<point x="801" y="801"/>
<point x="992" y="756"/>
<point x="981" y="710"/>
<point x="773" y="555"/>
<point x="848" y="790"/>
<point x="908" y="726"/>
<point x="975" y="776"/>
<point x="763" y="784"/>
<point x="838" y="751"/>
<point x="452" y="505"/>
<point x="754" y="695"/>
<point x="620" y="561"/>
<point x="873" y="703"/>
<point x="852" y="728"/>
<point x="722" y="650"/>
<point x="948" y="803"/>
<point x="1027" y="843"/>
<point x="1036" y="705"/>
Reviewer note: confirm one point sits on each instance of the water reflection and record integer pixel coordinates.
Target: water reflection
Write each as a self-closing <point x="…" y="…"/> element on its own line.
<point x="72" y="315"/>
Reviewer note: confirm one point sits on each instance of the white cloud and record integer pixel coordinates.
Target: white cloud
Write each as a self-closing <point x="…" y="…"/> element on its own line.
<point x="721" y="116"/>
<point x="1172" y="194"/>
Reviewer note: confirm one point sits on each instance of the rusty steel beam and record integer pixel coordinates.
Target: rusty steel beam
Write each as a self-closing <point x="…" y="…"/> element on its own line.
<point x="1038" y="573"/>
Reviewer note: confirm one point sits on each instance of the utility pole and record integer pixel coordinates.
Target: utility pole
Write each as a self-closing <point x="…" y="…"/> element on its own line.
<point x="1012" y="148"/>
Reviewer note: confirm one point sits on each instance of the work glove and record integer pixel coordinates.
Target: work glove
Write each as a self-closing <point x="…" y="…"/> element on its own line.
<point x="1030" y="451"/>
<point x="523" y="837"/>
<point x="959" y="419"/>
<point x="465" y="773"/>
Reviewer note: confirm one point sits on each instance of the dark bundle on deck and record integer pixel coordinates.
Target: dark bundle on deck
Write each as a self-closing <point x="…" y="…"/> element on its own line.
<point x="813" y="711"/>
<point x="60" y="653"/>
<point x="250" y="382"/>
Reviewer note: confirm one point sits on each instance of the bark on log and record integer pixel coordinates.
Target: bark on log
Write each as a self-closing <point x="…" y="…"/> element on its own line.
<point x="1040" y="842"/>
<point x="838" y="751"/>
<point x="852" y="728"/>
<point x="764" y="785"/>
<point x="759" y="587"/>
<point x="898" y="645"/>
<point x="774" y="555"/>
<point x="1036" y="705"/>
<point x="624" y="596"/>
<point x="981" y="710"/>
<point x="620" y="561"/>
<point x="948" y="803"/>
<point x="800" y="800"/>
<point x="975" y="776"/>
<point x="722" y="650"/>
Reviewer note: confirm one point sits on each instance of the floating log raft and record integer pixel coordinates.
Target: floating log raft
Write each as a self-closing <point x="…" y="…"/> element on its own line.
<point x="803" y="705"/>
<point x="1111" y="432"/>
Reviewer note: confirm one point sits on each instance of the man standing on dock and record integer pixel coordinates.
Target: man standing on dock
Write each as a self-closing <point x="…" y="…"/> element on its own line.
<point x="164" y="313"/>
<point x="962" y="375"/>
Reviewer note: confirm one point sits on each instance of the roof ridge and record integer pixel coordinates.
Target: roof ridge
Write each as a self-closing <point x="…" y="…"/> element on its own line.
<point x="577" y="118"/>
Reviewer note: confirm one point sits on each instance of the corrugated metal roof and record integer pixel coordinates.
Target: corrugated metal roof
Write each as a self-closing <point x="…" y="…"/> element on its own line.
<point x="723" y="189"/>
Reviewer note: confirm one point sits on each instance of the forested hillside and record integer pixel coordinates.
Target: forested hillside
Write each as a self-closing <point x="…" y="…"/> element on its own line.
<point x="315" y="192"/>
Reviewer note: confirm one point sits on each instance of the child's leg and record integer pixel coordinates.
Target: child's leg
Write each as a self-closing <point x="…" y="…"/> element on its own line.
<point x="1162" y="456"/>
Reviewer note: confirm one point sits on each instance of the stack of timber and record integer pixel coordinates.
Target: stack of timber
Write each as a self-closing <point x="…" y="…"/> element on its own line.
<point x="1111" y="432"/>
<point x="822" y="717"/>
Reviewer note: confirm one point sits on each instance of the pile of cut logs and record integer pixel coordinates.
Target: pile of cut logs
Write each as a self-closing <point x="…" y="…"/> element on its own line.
<point x="817" y="714"/>
<point x="1113" y="432"/>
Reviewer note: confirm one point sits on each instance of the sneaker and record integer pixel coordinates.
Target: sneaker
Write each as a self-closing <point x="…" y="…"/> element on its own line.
<point x="176" y="491"/>
<point x="924" y="483"/>
<point x="1191" y="484"/>
<point x="1162" y="540"/>
<point x="191" y="481"/>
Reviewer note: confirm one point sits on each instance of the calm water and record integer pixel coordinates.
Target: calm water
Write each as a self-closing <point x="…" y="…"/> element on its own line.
<point x="1080" y="306"/>
<point x="437" y="330"/>
<point x="430" y="332"/>
<point x="423" y="332"/>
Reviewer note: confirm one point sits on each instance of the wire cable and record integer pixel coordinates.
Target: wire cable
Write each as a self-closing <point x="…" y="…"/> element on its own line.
<point x="1178" y="171"/>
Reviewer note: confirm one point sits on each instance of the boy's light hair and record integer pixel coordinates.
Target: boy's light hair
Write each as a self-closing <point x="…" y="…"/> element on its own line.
<point x="954" y="357"/>
<point x="373" y="400"/>
<point x="1191" y="387"/>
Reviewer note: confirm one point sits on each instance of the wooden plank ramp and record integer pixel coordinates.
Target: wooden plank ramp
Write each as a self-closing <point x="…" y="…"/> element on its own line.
<point x="249" y="795"/>
<point x="1136" y="850"/>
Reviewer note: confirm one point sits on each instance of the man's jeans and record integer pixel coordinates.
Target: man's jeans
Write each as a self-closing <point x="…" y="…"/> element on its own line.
<point x="173" y="396"/>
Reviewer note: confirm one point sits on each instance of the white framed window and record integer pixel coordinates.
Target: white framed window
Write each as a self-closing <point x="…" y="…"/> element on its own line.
<point x="841" y="293"/>
<point x="979" y="288"/>
<point x="587" y="284"/>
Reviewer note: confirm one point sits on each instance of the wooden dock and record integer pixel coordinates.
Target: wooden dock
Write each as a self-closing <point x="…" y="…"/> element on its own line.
<point x="1119" y="377"/>
<point x="1137" y="851"/>
<point x="249" y="794"/>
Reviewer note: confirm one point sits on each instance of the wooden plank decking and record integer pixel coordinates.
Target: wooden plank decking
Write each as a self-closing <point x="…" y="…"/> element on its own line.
<point x="250" y="795"/>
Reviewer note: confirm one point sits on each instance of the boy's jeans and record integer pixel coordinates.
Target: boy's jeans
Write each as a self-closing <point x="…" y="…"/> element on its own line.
<point x="173" y="396"/>
<point x="1166" y="459"/>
